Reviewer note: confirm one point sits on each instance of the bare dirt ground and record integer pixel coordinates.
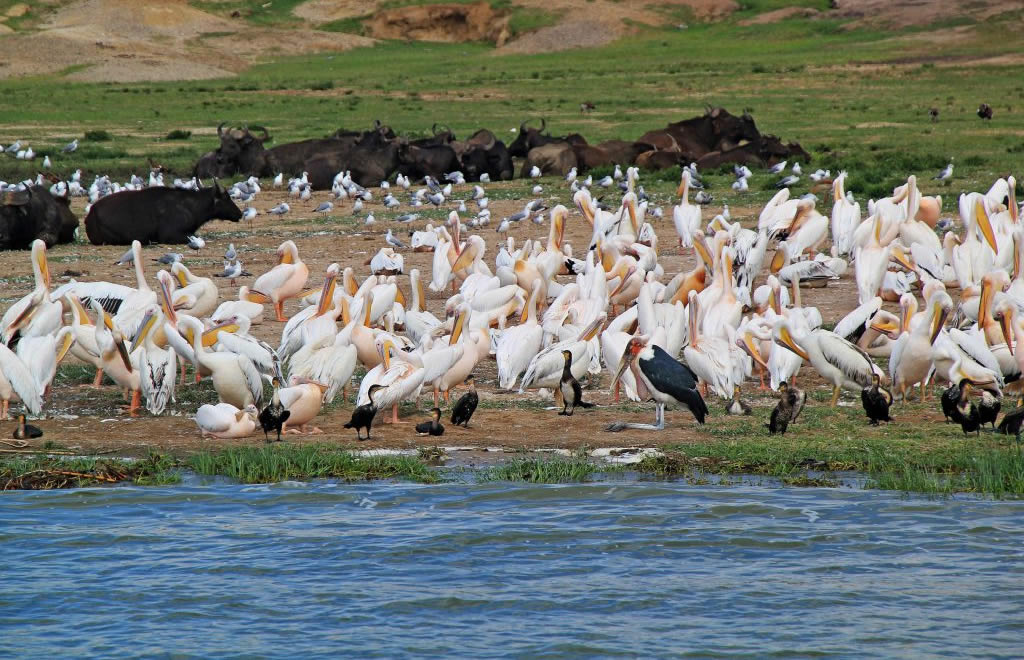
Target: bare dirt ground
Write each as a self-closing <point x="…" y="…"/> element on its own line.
<point x="89" y="420"/>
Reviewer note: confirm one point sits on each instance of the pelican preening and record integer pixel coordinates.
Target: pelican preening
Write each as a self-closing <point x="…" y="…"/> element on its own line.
<point x="927" y="309"/>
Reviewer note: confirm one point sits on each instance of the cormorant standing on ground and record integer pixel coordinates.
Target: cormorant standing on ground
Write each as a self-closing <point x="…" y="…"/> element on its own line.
<point x="274" y="415"/>
<point x="362" y="417"/>
<point x="572" y="393"/>
<point x="876" y="401"/>
<point x="466" y="405"/>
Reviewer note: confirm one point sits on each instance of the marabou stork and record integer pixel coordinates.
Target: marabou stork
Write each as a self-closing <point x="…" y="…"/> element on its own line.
<point x="661" y="378"/>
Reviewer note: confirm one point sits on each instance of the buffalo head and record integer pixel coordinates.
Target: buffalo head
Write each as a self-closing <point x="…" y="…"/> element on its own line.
<point x="223" y="206"/>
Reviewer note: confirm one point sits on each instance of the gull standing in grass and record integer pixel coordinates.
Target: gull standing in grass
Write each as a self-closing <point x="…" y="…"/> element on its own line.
<point x="777" y="168"/>
<point x="233" y="271"/>
<point x="946" y="173"/>
<point x="70" y="147"/>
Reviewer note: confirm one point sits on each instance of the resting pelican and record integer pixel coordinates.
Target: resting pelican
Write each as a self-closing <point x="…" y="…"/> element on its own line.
<point x="233" y="336"/>
<point x="34" y="314"/>
<point x="519" y="344"/>
<point x="283" y="281"/>
<point x="202" y="290"/>
<point x="418" y="321"/>
<point x="224" y="420"/>
<point x="235" y="377"/>
<point x="399" y="380"/>
<point x="245" y="305"/>
<point x="156" y="365"/>
<point x="329" y="360"/>
<point x="303" y="401"/>
<point x="835" y="359"/>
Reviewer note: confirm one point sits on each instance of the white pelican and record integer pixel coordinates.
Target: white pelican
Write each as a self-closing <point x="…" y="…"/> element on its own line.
<point x="418" y="321"/>
<point x="845" y="216"/>
<point x="834" y="358"/>
<point x="133" y="305"/>
<point x="156" y="365"/>
<point x="84" y="348"/>
<point x="708" y="357"/>
<point x="910" y="362"/>
<point x="303" y="401"/>
<point x="283" y="281"/>
<point x="37" y="358"/>
<point x="114" y="355"/>
<point x="545" y="369"/>
<point x="202" y="290"/>
<point x="235" y="377"/>
<point x="387" y="262"/>
<point x="399" y="380"/>
<point x="224" y="420"/>
<point x="34" y="314"/>
<point x="233" y="336"/>
<point x="518" y="344"/>
<point x="245" y="305"/>
<point x="686" y="216"/>
<point x="329" y="360"/>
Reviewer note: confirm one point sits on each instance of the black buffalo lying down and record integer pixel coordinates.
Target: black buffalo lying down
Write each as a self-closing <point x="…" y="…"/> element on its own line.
<point x="32" y="213"/>
<point x="157" y="215"/>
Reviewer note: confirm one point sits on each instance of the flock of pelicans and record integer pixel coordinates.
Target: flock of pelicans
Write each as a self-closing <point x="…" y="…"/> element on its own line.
<point x="550" y="315"/>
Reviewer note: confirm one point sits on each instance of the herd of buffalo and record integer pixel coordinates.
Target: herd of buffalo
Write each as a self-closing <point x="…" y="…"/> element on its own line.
<point x="168" y="215"/>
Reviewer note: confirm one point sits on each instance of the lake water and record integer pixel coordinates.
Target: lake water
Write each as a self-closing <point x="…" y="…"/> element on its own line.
<point x="293" y="570"/>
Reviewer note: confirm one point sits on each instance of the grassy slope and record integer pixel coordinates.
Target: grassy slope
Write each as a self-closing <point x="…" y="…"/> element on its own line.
<point x="853" y="98"/>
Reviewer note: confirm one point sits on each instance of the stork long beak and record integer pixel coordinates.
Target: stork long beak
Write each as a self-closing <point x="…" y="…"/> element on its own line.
<point x="785" y="339"/>
<point x="627" y="359"/>
<point x="747" y="343"/>
<point x="985" y="225"/>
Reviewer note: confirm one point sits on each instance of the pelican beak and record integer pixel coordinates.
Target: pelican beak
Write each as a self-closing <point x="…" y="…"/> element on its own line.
<point x="69" y="339"/>
<point x="44" y="267"/>
<point x="1014" y="211"/>
<point x="1005" y="323"/>
<point x="622" y="282"/>
<point x="939" y="321"/>
<point x="467" y="257"/>
<point x="985" y="225"/>
<point x="778" y="260"/>
<point x="123" y="350"/>
<point x="631" y="207"/>
<point x="701" y="246"/>
<point x="400" y="297"/>
<point x="179" y="272"/>
<point x="747" y="343"/>
<point x="785" y="339"/>
<point x="327" y="293"/>
<point x="285" y="256"/>
<point x="346" y="312"/>
<point x="147" y="324"/>
<point x="385" y="354"/>
<point x="457" y="328"/>
<point x="83" y="316"/>
<point x="886" y="327"/>
<point x="902" y="258"/>
<point x="210" y="336"/>
<point x="1016" y="255"/>
<point x="165" y="302"/>
<point x="595" y="326"/>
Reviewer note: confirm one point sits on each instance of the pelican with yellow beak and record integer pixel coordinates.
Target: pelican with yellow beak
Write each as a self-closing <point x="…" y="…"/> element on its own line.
<point x="973" y="258"/>
<point x="245" y="305"/>
<point x="519" y="344"/>
<point x="399" y="377"/>
<point x="235" y="377"/>
<point x="157" y="366"/>
<point x="200" y="293"/>
<point x="911" y="360"/>
<point x="837" y="360"/>
<point x="418" y="321"/>
<point x="35" y="314"/>
<point x="283" y="281"/>
<point x="686" y="216"/>
<point x="117" y="363"/>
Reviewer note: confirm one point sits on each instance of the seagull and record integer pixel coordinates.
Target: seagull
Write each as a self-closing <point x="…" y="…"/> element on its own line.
<point x="571" y="176"/>
<point x="703" y="198"/>
<point x="370" y="219"/>
<point x="249" y="214"/>
<point x="196" y="243"/>
<point x="740" y="184"/>
<point x="617" y="174"/>
<point x="306" y="194"/>
<point x="436" y="198"/>
<point x="538" y="189"/>
<point x="462" y="206"/>
<point x="46" y="163"/>
<point x="127" y="259"/>
<point x="482" y="203"/>
<point x="820" y="174"/>
<point x="14" y="148"/>
<point x="232" y="271"/>
<point x="70" y="147"/>
<point x="535" y="172"/>
<point x="788" y="181"/>
<point x="485" y="178"/>
<point x="384" y="185"/>
<point x="279" y="180"/>
<point x="391" y="202"/>
<point x="796" y="169"/>
<point x="478" y="192"/>
<point x="325" y="207"/>
<point x="170" y="258"/>
<point x="280" y="209"/>
<point x="741" y="171"/>
<point x="231" y="253"/>
<point x="408" y="217"/>
<point x="606" y="182"/>
<point x="357" y="206"/>
<point x="946" y="173"/>
<point x="777" y="168"/>
<point x="392" y="241"/>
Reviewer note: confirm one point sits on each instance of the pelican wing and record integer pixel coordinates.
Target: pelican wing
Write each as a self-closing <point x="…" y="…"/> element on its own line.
<point x="259" y="352"/>
<point x="253" y="379"/>
<point x="21" y="380"/>
<point x="214" y="419"/>
<point x="846" y="357"/>
<point x="274" y="278"/>
<point x="853" y="324"/>
<point x="158" y="368"/>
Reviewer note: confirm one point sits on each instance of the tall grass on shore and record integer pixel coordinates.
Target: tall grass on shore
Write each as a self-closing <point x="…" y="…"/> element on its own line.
<point x="279" y="463"/>
<point x="50" y="472"/>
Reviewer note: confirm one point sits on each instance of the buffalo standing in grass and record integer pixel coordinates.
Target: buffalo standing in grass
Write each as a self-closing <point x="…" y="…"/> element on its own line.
<point x="157" y="215"/>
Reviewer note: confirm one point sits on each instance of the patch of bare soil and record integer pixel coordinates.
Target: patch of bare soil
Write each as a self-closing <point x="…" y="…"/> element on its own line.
<point x="124" y="41"/>
<point x="896" y="15"/>
<point x="91" y="420"/>
<point x="781" y="14"/>
<point x="453" y="23"/>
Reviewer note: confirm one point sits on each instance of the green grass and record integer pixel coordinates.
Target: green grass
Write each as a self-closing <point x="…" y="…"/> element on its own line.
<point x="544" y="470"/>
<point x="44" y="472"/>
<point x="267" y="464"/>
